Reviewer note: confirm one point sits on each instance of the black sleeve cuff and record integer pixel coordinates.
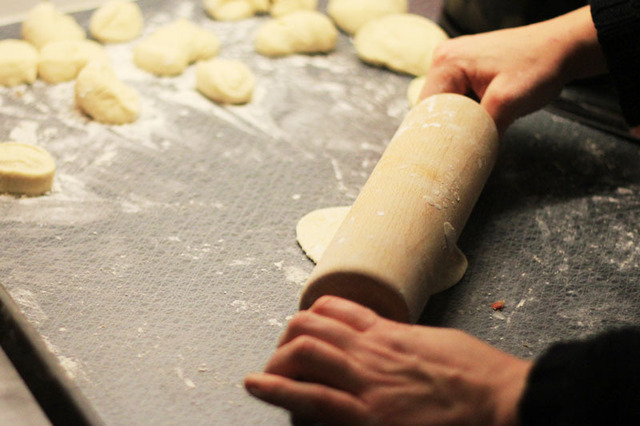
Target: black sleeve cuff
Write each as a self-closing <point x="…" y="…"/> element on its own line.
<point x="618" y="25"/>
<point x="592" y="382"/>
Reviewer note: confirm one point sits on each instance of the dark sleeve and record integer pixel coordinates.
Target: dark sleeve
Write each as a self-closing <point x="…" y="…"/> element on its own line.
<point x="591" y="382"/>
<point x="618" y="25"/>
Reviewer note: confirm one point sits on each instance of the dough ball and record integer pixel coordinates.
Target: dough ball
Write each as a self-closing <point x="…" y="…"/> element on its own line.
<point x="103" y="97"/>
<point x="303" y="31"/>
<point x="315" y="230"/>
<point x="234" y="10"/>
<point x="229" y="10"/>
<point x="25" y="169"/>
<point x="62" y="60"/>
<point x="402" y="42"/>
<point x="116" y="21"/>
<point x="44" y="24"/>
<point x="225" y="81"/>
<point x="414" y="90"/>
<point x="261" y="6"/>
<point x="282" y="7"/>
<point x="18" y="62"/>
<point x="351" y="15"/>
<point x="171" y="49"/>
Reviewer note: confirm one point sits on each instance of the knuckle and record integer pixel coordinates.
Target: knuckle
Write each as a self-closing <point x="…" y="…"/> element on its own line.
<point x="303" y="347"/>
<point x="449" y="51"/>
<point x="323" y="301"/>
<point x="300" y="321"/>
<point x="442" y="53"/>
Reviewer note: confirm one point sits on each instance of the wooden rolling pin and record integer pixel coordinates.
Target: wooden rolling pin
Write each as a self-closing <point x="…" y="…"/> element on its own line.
<point x="397" y="246"/>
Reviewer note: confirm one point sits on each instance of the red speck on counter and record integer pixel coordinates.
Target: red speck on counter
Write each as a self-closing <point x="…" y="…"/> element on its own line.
<point x="498" y="306"/>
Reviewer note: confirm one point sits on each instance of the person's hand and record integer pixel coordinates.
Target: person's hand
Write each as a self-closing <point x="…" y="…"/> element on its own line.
<point x="519" y="70"/>
<point x="340" y="363"/>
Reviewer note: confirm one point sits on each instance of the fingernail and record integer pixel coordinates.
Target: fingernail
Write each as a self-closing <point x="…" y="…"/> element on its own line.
<point x="252" y="388"/>
<point x="257" y="392"/>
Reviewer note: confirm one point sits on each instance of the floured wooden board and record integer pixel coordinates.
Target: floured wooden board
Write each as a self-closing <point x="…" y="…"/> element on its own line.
<point x="163" y="266"/>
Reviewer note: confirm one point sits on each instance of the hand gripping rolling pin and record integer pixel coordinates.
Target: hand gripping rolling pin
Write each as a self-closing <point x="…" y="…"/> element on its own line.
<point x="397" y="246"/>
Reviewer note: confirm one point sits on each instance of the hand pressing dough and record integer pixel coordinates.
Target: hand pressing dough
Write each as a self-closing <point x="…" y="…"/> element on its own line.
<point x="225" y="81"/>
<point x="303" y="31"/>
<point x="315" y="230"/>
<point x="351" y="15"/>
<point x="401" y="42"/>
<point x="234" y="10"/>
<point x="103" y="97"/>
<point x="414" y="90"/>
<point x="171" y="49"/>
<point x="283" y="7"/>
<point x="25" y="169"/>
<point x="62" y="60"/>
<point x="116" y="21"/>
<point x="44" y="24"/>
<point x="18" y="62"/>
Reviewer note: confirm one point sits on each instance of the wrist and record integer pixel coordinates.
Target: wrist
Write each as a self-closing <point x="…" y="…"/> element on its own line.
<point x="510" y="390"/>
<point x="582" y="54"/>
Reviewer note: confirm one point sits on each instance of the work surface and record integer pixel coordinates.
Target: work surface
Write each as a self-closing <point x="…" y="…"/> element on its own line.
<point x="163" y="266"/>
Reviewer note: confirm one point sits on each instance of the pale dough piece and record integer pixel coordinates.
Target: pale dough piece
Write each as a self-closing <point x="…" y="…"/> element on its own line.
<point x="18" y="62"/>
<point x="25" y="169"/>
<point x="103" y="97"/>
<point x="234" y="10"/>
<point x="225" y="81"/>
<point x="414" y="90"/>
<point x="62" y="60"/>
<point x="315" y="230"/>
<point x="351" y="15"/>
<point x="401" y="42"/>
<point x="44" y="24"/>
<point x="282" y="7"/>
<point x="116" y="21"/>
<point x="305" y="31"/>
<point x="171" y="49"/>
<point x="455" y="264"/>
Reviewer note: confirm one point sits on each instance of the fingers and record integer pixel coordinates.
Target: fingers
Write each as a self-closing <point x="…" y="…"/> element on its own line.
<point x="311" y="360"/>
<point x="308" y="400"/>
<point x="324" y="328"/>
<point x="448" y="73"/>
<point x="445" y="79"/>
<point x="350" y="313"/>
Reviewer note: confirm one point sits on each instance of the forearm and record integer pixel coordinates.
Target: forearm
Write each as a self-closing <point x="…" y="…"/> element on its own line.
<point x="581" y="52"/>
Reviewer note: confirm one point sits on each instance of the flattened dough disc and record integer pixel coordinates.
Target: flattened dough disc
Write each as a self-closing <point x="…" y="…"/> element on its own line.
<point x="315" y="230"/>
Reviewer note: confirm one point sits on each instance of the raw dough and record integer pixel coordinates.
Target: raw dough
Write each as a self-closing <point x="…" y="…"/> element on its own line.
<point x="44" y="24"/>
<point x="414" y="90"/>
<point x="401" y="42"/>
<point x="62" y="60"/>
<point x="282" y="7"/>
<point x="18" y="62"/>
<point x="25" y="169"/>
<point x="351" y="15"/>
<point x="103" y="97"/>
<point x="315" y="230"/>
<point x="116" y="21"/>
<point x="225" y="81"/>
<point x="305" y="31"/>
<point x="234" y="10"/>
<point x="171" y="49"/>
